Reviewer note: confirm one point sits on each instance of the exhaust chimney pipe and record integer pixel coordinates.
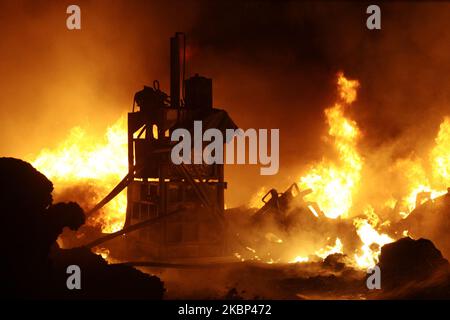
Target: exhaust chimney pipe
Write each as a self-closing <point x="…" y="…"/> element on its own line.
<point x="176" y="72"/>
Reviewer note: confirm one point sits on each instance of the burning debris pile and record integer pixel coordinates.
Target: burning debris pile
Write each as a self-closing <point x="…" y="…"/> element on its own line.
<point x="323" y="221"/>
<point x="332" y="203"/>
<point x="323" y="202"/>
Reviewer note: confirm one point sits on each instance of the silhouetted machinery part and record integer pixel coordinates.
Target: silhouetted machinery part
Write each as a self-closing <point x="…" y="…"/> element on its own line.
<point x="198" y="93"/>
<point x="150" y="99"/>
<point x="278" y="204"/>
<point x="174" y="211"/>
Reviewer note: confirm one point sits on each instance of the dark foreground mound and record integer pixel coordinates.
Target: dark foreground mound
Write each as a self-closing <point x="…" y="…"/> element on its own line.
<point x="414" y="269"/>
<point x="31" y="224"/>
<point x="431" y="220"/>
<point x="100" y="280"/>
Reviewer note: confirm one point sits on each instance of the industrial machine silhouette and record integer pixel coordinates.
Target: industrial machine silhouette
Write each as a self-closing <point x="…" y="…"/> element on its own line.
<point x="184" y="204"/>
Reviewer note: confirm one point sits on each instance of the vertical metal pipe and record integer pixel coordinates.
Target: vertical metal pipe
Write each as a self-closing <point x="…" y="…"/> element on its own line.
<point x="175" y="71"/>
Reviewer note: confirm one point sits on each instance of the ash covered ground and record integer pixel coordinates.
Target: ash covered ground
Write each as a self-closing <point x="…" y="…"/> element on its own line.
<point x="411" y="269"/>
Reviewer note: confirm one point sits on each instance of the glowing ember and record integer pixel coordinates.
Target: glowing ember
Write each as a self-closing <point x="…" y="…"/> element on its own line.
<point x="273" y="238"/>
<point x="314" y="212"/>
<point x="300" y="259"/>
<point x="103" y="252"/>
<point x="325" y="252"/>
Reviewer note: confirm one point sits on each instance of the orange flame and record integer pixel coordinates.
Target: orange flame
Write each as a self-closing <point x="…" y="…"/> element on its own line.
<point x="82" y="159"/>
<point x="419" y="180"/>
<point x="372" y="243"/>
<point x="333" y="184"/>
<point x="440" y="155"/>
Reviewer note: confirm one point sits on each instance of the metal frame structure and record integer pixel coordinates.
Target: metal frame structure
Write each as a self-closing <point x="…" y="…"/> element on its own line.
<point x="157" y="188"/>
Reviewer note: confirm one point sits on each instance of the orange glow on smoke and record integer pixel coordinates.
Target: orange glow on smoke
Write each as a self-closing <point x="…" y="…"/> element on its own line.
<point x="84" y="160"/>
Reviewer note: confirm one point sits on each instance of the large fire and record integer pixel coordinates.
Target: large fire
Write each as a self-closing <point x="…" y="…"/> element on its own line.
<point x="81" y="159"/>
<point x="335" y="183"/>
<point x="423" y="182"/>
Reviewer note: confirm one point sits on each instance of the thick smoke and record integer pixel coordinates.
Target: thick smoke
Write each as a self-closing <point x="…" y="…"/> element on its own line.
<point x="273" y="65"/>
<point x="281" y="61"/>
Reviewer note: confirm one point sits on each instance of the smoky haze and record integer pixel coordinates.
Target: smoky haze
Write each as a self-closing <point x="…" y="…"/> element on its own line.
<point x="273" y="66"/>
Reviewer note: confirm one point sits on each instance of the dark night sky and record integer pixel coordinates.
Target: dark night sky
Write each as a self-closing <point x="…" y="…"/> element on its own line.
<point x="273" y="65"/>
